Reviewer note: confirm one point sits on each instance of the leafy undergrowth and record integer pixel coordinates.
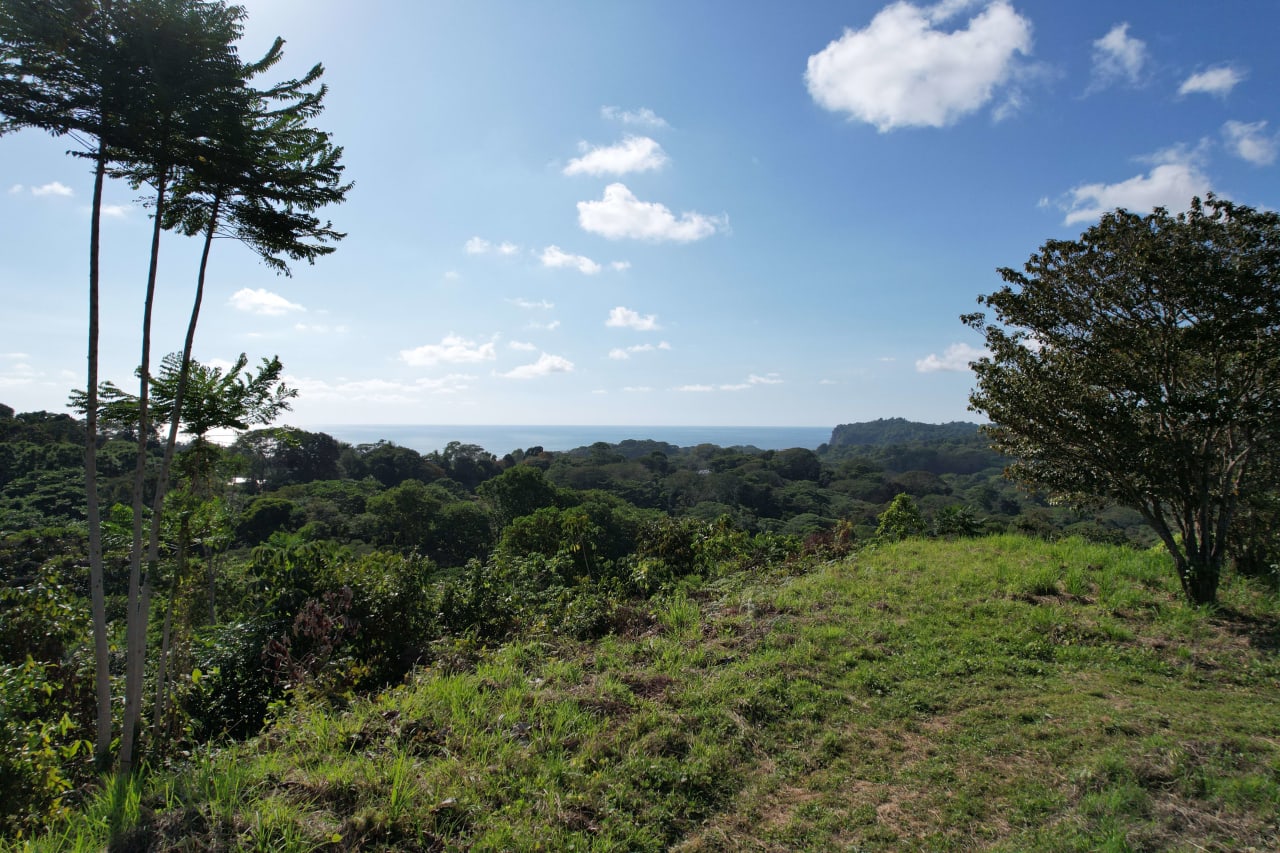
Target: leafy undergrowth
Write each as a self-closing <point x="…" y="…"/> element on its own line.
<point x="1000" y="694"/>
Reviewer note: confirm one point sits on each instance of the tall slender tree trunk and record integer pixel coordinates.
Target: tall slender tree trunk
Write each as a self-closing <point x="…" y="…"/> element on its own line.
<point x="97" y="592"/>
<point x="175" y="419"/>
<point x="166" y="635"/>
<point x="170" y="447"/>
<point x="140" y="584"/>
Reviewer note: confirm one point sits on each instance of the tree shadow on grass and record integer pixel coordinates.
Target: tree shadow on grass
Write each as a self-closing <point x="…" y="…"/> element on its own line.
<point x="1262" y="632"/>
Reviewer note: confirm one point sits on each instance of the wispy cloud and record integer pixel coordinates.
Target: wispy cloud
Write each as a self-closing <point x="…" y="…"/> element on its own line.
<point x="522" y="346"/>
<point x="452" y="349"/>
<point x="555" y="257"/>
<point x="643" y="117"/>
<point x="1251" y="142"/>
<point x="904" y="70"/>
<point x="625" y="318"/>
<point x="1219" y="81"/>
<point x="18" y="371"/>
<point x="624" y="353"/>
<point x="378" y="390"/>
<point x="633" y="154"/>
<point x="320" y="328"/>
<point x="1117" y="56"/>
<point x="530" y="305"/>
<point x="956" y="358"/>
<point x="546" y="365"/>
<point x="752" y="381"/>
<point x="481" y="246"/>
<point x="620" y="214"/>
<point x="262" y="301"/>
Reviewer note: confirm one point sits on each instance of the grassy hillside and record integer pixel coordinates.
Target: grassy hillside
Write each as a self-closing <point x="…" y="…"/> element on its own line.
<point x="1000" y="693"/>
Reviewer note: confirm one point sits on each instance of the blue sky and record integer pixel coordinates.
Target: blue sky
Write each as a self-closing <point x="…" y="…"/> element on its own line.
<point x="665" y="212"/>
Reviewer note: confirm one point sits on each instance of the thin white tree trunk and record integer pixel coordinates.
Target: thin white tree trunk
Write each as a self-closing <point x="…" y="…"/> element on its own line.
<point x="97" y="592"/>
<point x="140" y="584"/>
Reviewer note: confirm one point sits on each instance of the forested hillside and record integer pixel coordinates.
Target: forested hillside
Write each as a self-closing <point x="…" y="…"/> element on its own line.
<point x="294" y="562"/>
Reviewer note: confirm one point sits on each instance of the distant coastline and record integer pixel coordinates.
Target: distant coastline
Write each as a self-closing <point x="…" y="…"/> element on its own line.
<point x="500" y="440"/>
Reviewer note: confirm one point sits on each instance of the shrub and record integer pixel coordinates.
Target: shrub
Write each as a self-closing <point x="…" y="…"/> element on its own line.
<point x="900" y="520"/>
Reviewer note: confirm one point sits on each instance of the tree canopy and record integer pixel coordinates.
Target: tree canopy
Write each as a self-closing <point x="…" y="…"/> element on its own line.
<point x="1140" y="364"/>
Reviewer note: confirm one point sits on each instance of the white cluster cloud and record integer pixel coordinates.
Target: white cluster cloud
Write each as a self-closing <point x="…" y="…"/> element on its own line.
<point x="1219" y="80"/>
<point x="451" y="350"/>
<point x="54" y="188"/>
<point x="545" y="366"/>
<point x="633" y="154"/>
<point x="262" y="301"/>
<point x="620" y="214"/>
<point x="1118" y="56"/>
<point x="481" y="246"/>
<point x="1174" y="178"/>
<point x="625" y="318"/>
<point x="1250" y="141"/>
<point x="901" y="70"/>
<point x="643" y="117"/>
<point x="956" y="358"/>
<point x="555" y="257"/>
<point x="624" y="353"/>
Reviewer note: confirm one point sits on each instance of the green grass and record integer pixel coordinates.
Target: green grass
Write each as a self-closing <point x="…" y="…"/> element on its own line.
<point x="1000" y="694"/>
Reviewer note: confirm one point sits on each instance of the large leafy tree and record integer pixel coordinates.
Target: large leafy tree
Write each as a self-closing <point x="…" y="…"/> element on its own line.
<point x="1140" y="364"/>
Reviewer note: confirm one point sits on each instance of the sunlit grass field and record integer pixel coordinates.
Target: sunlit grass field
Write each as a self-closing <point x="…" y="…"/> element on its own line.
<point x="991" y="694"/>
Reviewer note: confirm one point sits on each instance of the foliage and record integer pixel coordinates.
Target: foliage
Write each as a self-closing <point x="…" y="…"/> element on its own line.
<point x="957" y="520"/>
<point x="235" y="398"/>
<point x="900" y="520"/>
<point x="517" y="492"/>
<point x="1140" y="364"/>
<point x="42" y="749"/>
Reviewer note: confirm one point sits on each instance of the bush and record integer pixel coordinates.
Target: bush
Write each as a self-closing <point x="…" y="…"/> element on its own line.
<point x="900" y="520"/>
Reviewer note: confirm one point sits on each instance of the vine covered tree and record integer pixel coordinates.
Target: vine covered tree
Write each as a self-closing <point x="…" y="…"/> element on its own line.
<point x="1140" y="364"/>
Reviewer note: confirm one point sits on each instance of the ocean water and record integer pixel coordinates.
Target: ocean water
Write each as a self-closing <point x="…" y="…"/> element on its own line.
<point x="500" y="440"/>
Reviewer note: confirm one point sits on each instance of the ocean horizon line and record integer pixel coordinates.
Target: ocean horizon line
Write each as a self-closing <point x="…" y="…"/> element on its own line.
<point x="500" y="439"/>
